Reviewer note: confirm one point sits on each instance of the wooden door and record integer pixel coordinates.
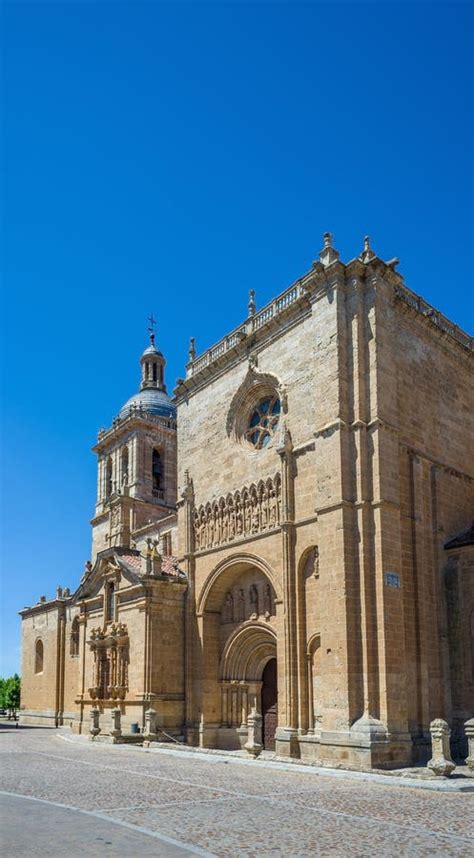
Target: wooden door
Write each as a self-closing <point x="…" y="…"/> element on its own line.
<point x="269" y="704"/>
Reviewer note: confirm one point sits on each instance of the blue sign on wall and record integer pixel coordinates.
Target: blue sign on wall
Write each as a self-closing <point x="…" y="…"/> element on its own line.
<point x="392" y="579"/>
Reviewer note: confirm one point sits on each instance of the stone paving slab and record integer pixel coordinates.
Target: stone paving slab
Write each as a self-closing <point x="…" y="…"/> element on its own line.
<point x="56" y="830"/>
<point x="235" y="810"/>
<point x="420" y="777"/>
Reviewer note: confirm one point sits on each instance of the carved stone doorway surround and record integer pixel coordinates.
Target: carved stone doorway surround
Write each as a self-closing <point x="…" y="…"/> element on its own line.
<point x="246" y="681"/>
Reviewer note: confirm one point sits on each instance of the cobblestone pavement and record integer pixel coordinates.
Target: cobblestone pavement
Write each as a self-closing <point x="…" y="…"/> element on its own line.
<point x="209" y="806"/>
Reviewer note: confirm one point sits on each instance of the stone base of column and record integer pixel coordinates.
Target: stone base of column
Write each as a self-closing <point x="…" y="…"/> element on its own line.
<point x="366" y="746"/>
<point x="207" y="734"/>
<point x="191" y="734"/>
<point x="286" y="742"/>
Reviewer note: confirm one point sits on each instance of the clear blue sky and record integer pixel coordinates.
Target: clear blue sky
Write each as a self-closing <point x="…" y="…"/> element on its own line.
<point x="168" y="157"/>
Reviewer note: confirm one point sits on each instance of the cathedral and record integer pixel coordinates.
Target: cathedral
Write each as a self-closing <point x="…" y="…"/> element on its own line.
<point x="291" y="533"/>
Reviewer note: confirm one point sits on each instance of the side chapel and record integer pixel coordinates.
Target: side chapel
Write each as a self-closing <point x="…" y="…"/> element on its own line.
<point x="317" y="561"/>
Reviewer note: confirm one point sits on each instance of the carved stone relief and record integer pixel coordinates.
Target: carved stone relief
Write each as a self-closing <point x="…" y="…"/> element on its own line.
<point x="247" y="512"/>
<point x="248" y="602"/>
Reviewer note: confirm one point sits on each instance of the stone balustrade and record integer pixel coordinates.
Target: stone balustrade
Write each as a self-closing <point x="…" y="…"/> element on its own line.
<point x="254" y="323"/>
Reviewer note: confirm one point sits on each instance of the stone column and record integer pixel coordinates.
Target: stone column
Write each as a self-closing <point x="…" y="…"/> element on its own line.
<point x="309" y="663"/>
<point x="186" y="527"/>
<point x="469" y="731"/>
<point x="286" y="734"/>
<point x="244" y="692"/>
<point x="254" y="742"/>
<point x="224" y="705"/>
<point x="115" y="723"/>
<point x="441" y="762"/>
<point x="94" y="728"/>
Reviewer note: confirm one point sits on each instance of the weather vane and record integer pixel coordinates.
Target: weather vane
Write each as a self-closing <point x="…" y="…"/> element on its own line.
<point x="151" y="328"/>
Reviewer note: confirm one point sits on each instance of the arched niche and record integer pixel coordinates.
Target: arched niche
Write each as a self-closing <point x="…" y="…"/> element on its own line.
<point x="39" y="656"/>
<point x="225" y="575"/>
<point x="313" y="658"/>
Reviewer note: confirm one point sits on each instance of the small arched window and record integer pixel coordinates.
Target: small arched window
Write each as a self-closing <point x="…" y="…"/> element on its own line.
<point x="125" y="466"/>
<point x="110" y="602"/>
<point x="39" y="656"/>
<point x="108" y="477"/>
<point x="157" y="473"/>
<point x="74" y="640"/>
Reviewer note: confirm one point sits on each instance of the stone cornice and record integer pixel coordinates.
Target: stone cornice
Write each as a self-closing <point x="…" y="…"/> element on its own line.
<point x="42" y="607"/>
<point x="425" y="313"/>
<point x="122" y="426"/>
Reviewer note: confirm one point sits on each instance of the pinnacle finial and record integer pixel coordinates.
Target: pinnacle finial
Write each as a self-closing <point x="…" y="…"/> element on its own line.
<point x="328" y="254"/>
<point x="251" y="304"/>
<point x="151" y="328"/>
<point x="367" y="253"/>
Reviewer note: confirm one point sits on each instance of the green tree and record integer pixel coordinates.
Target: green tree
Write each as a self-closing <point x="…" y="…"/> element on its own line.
<point x="10" y="690"/>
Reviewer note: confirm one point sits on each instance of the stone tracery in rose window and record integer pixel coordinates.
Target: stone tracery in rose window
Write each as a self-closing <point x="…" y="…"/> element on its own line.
<point x="263" y="421"/>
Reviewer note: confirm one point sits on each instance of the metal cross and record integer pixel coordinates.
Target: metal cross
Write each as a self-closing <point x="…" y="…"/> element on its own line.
<point x="152" y="325"/>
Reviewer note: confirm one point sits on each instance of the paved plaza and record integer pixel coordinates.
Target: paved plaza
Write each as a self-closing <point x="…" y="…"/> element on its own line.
<point x="73" y="798"/>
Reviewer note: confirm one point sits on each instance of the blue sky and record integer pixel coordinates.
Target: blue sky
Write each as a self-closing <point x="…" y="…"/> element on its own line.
<point x="166" y="158"/>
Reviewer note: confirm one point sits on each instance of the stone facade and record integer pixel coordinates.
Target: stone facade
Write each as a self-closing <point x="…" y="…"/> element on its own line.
<point x="324" y="454"/>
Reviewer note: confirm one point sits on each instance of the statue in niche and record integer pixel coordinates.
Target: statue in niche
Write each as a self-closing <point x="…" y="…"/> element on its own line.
<point x="264" y="510"/>
<point x="273" y="508"/>
<point x="231" y="523"/>
<point x="247" y="516"/>
<point x="225" y="525"/>
<point x="228" y="609"/>
<point x="210" y="529"/>
<point x="253" y="601"/>
<point x="267" y="601"/>
<point x="241" y="606"/>
<point x="255" y="515"/>
<point x="238" y="518"/>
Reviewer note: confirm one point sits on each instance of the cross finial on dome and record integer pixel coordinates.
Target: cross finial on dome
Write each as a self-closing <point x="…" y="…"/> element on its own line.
<point x="151" y="328"/>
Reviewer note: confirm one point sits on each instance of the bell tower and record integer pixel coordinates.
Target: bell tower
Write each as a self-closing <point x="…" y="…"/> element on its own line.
<point x="136" y="484"/>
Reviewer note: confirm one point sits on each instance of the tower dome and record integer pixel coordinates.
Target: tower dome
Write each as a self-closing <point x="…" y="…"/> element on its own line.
<point x="152" y="396"/>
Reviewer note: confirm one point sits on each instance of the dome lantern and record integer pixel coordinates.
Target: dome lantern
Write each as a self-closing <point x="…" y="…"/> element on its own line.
<point x="152" y="396"/>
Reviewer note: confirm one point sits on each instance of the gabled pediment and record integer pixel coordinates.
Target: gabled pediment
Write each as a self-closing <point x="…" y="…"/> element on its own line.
<point x="109" y="565"/>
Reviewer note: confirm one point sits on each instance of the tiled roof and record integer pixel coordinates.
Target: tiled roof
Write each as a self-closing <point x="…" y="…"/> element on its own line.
<point x="134" y="560"/>
<point x="466" y="537"/>
<point x="169" y="564"/>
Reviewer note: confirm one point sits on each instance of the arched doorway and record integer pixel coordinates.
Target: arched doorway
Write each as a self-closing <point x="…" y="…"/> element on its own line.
<point x="239" y="638"/>
<point x="269" y="704"/>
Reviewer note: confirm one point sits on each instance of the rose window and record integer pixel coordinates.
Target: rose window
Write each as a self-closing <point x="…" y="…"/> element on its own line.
<point x="263" y="422"/>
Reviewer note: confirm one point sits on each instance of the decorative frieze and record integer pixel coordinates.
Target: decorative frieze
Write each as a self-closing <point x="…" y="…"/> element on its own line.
<point x="249" y="511"/>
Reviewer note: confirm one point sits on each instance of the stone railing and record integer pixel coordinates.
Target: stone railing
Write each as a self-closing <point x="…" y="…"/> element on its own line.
<point x="403" y="293"/>
<point x="279" y="305"/>
<point x="254" y="323"/>
<point x="136" y="411"/>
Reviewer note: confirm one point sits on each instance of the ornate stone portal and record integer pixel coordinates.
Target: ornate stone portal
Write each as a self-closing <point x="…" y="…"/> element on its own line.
<point x="110" y="647"/>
